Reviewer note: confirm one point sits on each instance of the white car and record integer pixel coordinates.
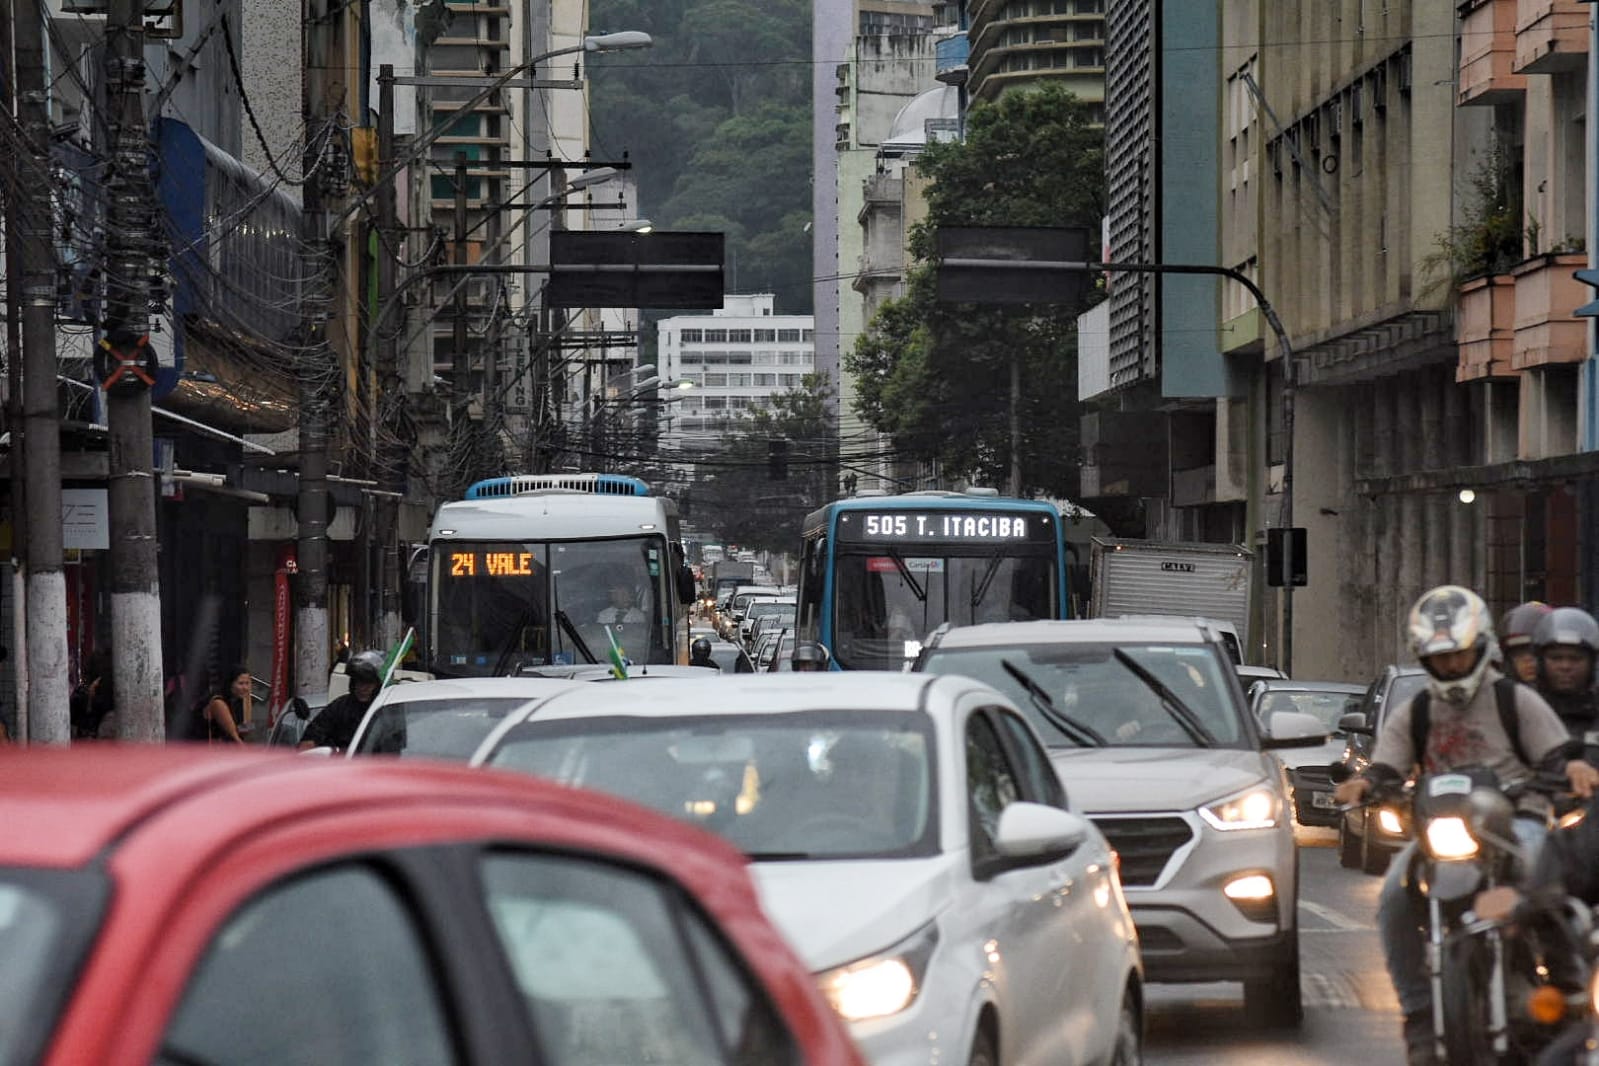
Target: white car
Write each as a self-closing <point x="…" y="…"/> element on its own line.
<point x="444" y="719"/>
<point x="1148" y="727"/>
<point x="907" y="834"/>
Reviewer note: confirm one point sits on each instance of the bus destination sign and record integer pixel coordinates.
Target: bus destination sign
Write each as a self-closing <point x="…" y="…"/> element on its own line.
<point x="942" y="527"/>
<point x="491" y="564"/>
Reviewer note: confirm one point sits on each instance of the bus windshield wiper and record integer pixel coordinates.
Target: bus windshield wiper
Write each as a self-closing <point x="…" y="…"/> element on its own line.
<point x="989" y="573"/>
<point x="577" y="638"/>
<point x="1080" y="733"/>
<point x="905" y="574"/>
<point x="1173" y="703"/>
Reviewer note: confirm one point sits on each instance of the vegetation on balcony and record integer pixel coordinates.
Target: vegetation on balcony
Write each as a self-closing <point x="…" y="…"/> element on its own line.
<point x="1491" y="237"/>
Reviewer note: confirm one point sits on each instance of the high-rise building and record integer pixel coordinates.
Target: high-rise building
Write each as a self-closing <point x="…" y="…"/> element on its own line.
<point x="1016" y="43"/>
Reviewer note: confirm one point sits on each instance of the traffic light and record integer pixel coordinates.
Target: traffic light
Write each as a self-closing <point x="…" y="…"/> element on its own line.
<point x="777" y="459"/>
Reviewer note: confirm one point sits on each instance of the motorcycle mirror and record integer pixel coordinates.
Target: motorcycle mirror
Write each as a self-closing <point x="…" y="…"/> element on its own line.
<point x="1491" y="813"/>
<point x="1339" y="772"/>
<point x="300" y="708"/>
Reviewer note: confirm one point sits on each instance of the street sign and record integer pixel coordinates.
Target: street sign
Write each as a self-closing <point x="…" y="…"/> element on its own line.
<point x="1012" y="264"/>
<point x="622" y="269"/>
<point x="1287" y="558"/>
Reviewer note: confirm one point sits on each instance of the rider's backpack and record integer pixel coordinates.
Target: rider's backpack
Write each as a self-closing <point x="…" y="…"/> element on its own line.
<point x="1509" y="719"/>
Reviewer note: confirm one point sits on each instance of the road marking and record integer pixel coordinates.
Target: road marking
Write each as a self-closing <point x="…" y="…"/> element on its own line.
<point x="1333" y="918"/>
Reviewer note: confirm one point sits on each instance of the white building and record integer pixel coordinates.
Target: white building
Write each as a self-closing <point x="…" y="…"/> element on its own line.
<point x="738" y="358"/>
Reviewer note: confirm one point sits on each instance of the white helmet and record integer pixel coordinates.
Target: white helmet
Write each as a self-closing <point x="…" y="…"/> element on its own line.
<point x="1449" y="619"/>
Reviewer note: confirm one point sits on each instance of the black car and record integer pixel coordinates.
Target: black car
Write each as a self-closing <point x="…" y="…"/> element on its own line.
<point x="1368" y="837"/>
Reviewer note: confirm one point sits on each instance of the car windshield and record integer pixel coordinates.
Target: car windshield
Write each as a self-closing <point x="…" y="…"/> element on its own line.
<point x="1090" y="685"/>
<point x="502" y="605"/>
<point x="770" y="608"/>
<point x="45" y="919"/>
<point x="804" y="785"/>
<point x="1327" y="705"/>
<point x="886" y="600"/>
<point x="1402" y="688"/>
<point x="434" y="729"/>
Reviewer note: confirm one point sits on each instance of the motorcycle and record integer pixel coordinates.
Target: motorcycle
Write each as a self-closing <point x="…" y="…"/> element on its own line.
<point x="1494" y="991"/>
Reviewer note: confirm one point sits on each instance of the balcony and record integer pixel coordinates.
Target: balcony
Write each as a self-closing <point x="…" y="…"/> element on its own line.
<point x="1195" y="487"/>
<point x="1488" y="54"/>
<point x="1551" y="36"/>
<point x="952" y="53"/>
<point x="1546" y="331"/>
<point x="1485" y="328"/>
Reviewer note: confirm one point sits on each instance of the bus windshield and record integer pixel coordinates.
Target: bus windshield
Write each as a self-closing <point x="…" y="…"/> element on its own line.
<point x="887" y="597"/>
<point x="503" y="605"/>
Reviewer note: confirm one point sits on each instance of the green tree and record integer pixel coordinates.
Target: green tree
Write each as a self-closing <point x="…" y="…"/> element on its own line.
<point x="935" y="377"/>
<point x="737" y="492"/>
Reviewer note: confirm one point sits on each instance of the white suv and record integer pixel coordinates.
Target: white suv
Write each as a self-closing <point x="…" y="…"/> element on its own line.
<point x="1149" y="729"/>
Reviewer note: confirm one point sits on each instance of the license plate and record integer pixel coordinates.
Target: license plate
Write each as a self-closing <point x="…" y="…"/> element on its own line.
<point x="1323" y="800"/>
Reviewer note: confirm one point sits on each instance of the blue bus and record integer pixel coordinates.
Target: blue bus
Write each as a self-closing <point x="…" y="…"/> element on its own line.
<point x="879" y="573"/>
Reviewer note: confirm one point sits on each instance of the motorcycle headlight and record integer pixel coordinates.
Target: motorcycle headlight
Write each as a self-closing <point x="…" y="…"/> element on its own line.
<point x="1257" y="808"/>
<point x="1448" y="838"/>
<point x="883" y="984"/>
<point x="1388" y="821"/>
<point x="1593" y="993"/>
<point x="1571" y="818"/>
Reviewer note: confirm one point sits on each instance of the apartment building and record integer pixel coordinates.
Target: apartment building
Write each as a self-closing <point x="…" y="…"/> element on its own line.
<point x="734" y="359"/>
<point x="1017" y="43"/>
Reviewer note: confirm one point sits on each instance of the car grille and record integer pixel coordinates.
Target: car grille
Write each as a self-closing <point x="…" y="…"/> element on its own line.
<point x="1311" y="777"/>
<point x="1145" y="845"/>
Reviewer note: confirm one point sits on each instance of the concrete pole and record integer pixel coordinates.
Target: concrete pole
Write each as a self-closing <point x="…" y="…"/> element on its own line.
<point x="136" y="660"/>
<point x="311" y="645"/>
<point x="391" y="377"/>
<point x="48" y="688"/>
<point x="17" y="593"/>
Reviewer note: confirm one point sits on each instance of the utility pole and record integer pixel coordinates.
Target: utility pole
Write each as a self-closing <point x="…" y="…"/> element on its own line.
<point x="18" y="464"/>
<point x="128" y="366"/>
<point x="318" y="371"/>
<point x="463" y="359"/>
<point x="48" y="691"/>
<point x="1015" y="427"/>
<point x="391" y="379"/>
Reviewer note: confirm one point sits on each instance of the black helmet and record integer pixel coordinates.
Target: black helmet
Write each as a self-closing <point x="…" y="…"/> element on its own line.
<point x="1517" y="625"/>
<point x="365" y="666"/>
<point x="1567" y="626"/>
<point x="809" y="655"/>
<point x="700" y="648"/>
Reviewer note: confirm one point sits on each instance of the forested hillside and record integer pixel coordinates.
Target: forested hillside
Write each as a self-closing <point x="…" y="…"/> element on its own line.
<point x="717" y="119"/>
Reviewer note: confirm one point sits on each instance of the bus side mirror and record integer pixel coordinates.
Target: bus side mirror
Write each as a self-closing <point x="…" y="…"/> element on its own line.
<point x="685" y="585"/>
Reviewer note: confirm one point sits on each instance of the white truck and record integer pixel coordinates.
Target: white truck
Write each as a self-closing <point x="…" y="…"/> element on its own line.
<point x="1145" y="577"/>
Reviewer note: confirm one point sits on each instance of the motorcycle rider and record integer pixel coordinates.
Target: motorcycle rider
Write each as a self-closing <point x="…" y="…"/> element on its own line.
<point x="809" y="657"/>
<point x="699" y="654"/>
<point x="335" y="727"/>
<point x="1515" y="640"/>
<point x="1466" y="716"/>
<point x="1566" y="641"/>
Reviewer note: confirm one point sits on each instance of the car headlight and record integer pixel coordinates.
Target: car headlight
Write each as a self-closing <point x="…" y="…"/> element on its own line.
<point x="1448" y="838"/>
<point x="1256" y="808"/>
<point x="1389" y="822"/>
<point x="883" y="984"/>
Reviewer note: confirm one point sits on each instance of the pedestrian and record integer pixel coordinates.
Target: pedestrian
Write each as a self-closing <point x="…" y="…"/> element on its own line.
<point x="93" y="699"/>
<point x="225" y="709"/>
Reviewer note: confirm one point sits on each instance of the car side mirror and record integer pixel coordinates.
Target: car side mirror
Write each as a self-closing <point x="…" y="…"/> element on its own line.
<point x="1294" y="729"/>
<point x="1354" y="722"/>
<point x="1339" y="772"/>
<point x="1034" y="831"/>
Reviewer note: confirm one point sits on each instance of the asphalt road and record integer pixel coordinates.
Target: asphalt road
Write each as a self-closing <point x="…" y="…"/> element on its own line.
<point x="1351" y="1015"/>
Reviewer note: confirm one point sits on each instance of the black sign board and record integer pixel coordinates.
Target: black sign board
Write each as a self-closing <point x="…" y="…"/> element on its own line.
<point x="618" y="269"/>
<point x="1287" y="557"/>
<point x="895" y="526"/>
<point x="1017" y="270"/>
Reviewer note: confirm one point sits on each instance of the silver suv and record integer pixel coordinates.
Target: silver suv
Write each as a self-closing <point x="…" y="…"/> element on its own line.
<point x="1150" y="732"/>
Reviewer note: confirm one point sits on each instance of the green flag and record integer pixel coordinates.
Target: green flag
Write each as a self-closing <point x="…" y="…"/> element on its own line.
<point x="397" y="656"/>
<point x="617" y="658"/>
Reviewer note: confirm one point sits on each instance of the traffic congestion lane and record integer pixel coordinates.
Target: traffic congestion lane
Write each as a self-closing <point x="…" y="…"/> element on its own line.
<point x="1350" y="1010"/>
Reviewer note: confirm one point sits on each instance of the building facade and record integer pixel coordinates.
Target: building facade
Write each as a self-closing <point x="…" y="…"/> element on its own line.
<point x="734" y="361"/>
<point x="1018" y="43"/>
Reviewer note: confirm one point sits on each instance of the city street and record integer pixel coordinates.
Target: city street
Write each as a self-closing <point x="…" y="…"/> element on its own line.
<point x="1350" y="1015"/>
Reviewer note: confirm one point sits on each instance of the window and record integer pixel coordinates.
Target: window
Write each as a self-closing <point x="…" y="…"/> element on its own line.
<point x="716" y="336"/>
<point x="693" y="336"/>
<point x="609" y="975"/>
<point x="765" y="358"/>
<point x="738" y="381"/>
<point x="807" y="335"/>
<point x="990" y="784"/>
<point x="715" y="403"/>
<point x="716" y="381"/>
<point x="738" y="358"/>
<point x="766" y="379"/>
<point x="788" y="336"/>
<point x="692" y="358"/>
<point x="348" y="970"/>
<point x="765" y="336"/>
<point x="715" y="358"/>
<point x="1043" y="784"/>
<point x="738" y="336"/>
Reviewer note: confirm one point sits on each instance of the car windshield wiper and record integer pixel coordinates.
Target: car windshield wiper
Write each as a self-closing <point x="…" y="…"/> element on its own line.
<point x="781" y="856"/>
<point x="1173" y="703"/>
<point x="1079" y="733"/>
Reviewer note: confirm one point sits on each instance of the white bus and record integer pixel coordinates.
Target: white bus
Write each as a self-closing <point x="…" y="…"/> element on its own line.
<point x="542" y="570"/>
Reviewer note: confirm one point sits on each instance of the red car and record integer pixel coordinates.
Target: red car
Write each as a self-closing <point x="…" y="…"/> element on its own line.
<point x="182" y="908"/>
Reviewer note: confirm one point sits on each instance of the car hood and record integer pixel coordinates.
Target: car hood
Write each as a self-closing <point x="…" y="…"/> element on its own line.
<point x="1154" y="779"/>
<point x="840" y="911"/>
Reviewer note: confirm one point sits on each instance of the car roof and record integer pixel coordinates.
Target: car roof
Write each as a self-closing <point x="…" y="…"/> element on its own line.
<point x="470" y="688"/>
<point x="65" y="807"/>
<point x="753" y="694"/>
<point x="1084" y="631"/>
<point x="1283" y="684"/>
